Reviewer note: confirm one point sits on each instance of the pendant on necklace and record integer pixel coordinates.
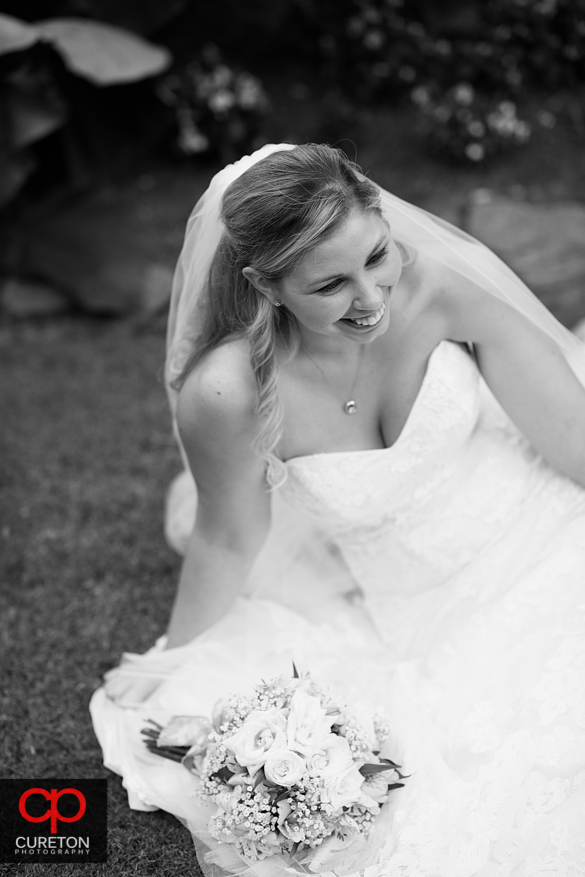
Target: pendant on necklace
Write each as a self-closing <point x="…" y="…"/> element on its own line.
<point x="350" y="407"/>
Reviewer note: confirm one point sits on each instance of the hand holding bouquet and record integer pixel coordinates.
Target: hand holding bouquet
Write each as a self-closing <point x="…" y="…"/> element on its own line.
<point x="286" y="768"/>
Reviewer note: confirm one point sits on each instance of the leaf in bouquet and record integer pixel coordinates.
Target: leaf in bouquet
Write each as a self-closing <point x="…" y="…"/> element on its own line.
<point x="224" y="774"/>
<point x="295" y="671"/>
<point x="395" y="786"/>
<point x="16" y="35"/>
<point x="368" y="770"/>
<point x="281" y="795"/>
<point x="179" y="751"/>
<point x="163" y="753"/>
<point x="152" y="742"/>
<point x="102" y="53"/>
<point x="150" y="732"/>
<point x="388" y="761"/>
<point x="259" y="778"/>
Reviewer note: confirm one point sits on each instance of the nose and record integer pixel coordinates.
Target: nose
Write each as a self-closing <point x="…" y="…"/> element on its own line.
<point x="370" y="295"/>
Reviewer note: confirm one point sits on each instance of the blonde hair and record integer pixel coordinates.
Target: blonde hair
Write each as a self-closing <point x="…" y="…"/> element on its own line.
<point x="273" y="214"/>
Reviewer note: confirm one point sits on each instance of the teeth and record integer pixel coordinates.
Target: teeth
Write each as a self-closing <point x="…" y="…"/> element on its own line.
<point x="373" y="319"/>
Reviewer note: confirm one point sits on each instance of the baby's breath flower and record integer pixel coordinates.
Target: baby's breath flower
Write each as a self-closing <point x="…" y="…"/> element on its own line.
<point x="381" y="729"/>
<point x="252" y="813"/>
<point x="357" y="738"/>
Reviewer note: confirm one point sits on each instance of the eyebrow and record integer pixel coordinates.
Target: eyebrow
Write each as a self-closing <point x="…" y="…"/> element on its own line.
<point x="374" y="250"/>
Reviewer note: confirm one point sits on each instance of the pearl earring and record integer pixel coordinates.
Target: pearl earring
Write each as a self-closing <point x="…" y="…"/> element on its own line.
<point x="277" y="303"/>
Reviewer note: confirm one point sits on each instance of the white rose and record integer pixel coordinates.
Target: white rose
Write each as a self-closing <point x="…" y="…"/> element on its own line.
<point x="283" y="767"/>
<point x="193" y="761"/>
<point x="342" y="789"/>
<point x="332" y="757"/>
<point x="287" y="823"/>
<point x="192" y="731"/>
<point x="262" y="730"/>
<point x="308" y="723"/>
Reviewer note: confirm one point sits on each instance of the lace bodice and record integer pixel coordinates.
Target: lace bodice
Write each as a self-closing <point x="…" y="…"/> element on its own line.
<point x="359" y="487"/>
<point x="412" y="516"/>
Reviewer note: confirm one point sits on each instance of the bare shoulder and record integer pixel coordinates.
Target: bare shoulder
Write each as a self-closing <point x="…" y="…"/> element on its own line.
<point x="218" y="398"/>
<point x="453" y="306"/>
<point x="460" y="310"/>
<point x="421" y="301"/>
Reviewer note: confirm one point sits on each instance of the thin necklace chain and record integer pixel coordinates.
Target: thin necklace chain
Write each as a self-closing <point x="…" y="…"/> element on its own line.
<point x="349" y="406"/>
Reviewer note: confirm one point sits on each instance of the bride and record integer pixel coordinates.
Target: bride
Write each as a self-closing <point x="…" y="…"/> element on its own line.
<point x="386" y="431"/>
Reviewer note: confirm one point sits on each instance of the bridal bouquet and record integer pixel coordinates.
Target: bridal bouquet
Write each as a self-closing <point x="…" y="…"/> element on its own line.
<point x="286" y="767"/>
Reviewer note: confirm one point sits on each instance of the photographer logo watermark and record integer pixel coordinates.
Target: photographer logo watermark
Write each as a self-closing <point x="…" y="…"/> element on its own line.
<point x="53" y="821"/>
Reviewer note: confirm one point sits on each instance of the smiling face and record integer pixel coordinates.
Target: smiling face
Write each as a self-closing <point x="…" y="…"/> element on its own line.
<point x="341" y="287"/>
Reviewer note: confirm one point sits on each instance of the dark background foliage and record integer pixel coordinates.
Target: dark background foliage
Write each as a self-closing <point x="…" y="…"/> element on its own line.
<point x="511" y="56"/>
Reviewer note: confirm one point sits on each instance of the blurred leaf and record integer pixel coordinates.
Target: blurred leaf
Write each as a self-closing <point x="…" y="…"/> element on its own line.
<point x="31" y="117"/>
<point x="104" y="54"/>
<point x="16" y="35"/>
<point x="138" y="16"/>
<point x="13" y="173"/>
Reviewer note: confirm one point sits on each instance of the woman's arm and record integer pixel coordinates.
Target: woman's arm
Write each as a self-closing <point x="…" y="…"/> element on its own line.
<point x="526" y="371"/>
<point x="218" y="426"/>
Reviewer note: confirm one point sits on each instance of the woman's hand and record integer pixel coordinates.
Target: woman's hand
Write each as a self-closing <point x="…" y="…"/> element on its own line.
<point x="526" y="372"/>
<point x="218" y="426"/>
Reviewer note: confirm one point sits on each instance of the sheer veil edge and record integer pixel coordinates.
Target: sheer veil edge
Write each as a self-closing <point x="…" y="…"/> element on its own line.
<point x="452" y="249"/>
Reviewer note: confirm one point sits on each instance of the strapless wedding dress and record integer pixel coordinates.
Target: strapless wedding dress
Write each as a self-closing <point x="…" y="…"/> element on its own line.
<point x="465" y="620"/>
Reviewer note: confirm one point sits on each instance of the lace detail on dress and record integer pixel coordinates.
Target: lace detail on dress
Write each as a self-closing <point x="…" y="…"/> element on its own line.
<point x="340" y="485"/>
<point x="470" y="554"/>
<point x="463" y="500"/>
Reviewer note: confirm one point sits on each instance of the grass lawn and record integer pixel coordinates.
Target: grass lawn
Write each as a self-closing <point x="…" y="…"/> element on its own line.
<point x="87" y="455"/>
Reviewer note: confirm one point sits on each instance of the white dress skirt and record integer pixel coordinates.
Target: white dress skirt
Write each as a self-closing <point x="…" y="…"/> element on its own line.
<point x="465" y="622"/>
